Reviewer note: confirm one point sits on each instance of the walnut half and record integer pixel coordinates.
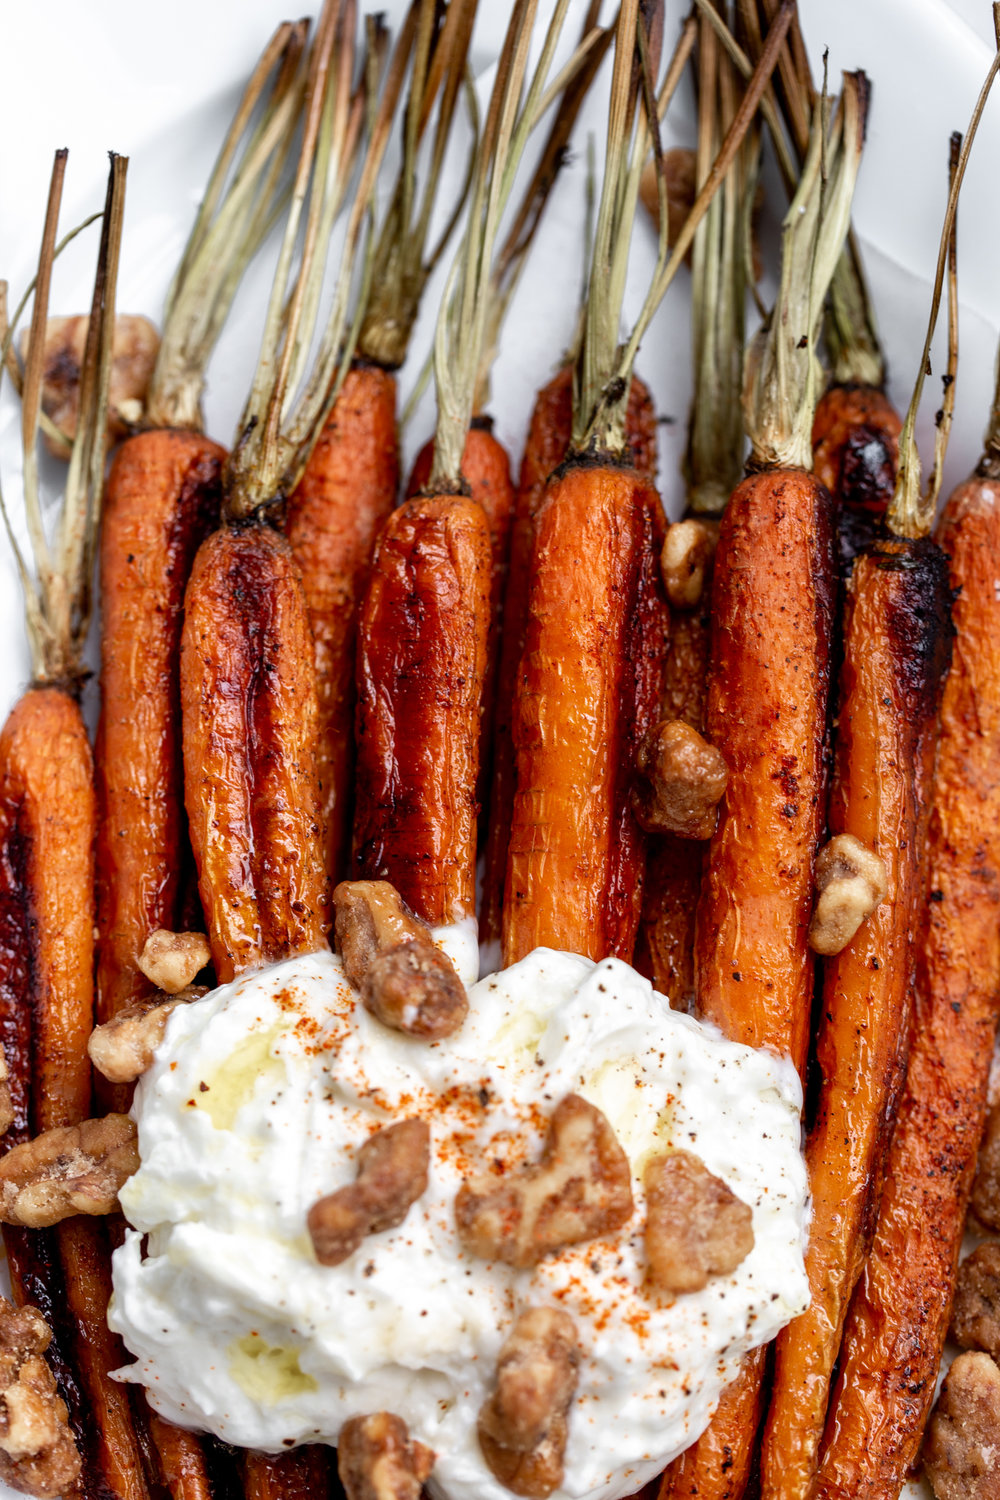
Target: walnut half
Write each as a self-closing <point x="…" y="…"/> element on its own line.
<point x="963" y="1436"/>
<point x="696" y="1227"/>
<point x="123" y="1048"/>
<point x="524" y="1425"/>
<point x="6" y="1101"/>
<point x="377" y="1460"/>
<point x="681" y="779"/>
<point x="74" y="1169"/>
<point x="171" y="960"/>
<point x="392" y="1173"/>
<point x="851" y="882"/>
<point x="38" y="1453"/>
<point x="581" y="1188"/>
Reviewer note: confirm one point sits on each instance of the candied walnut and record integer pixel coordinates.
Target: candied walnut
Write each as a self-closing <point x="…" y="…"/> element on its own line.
<point x="6" y="1102"/>
<point x="392" y="1173"/>
<point x="851" y="882"/>
<point x="696" y="1227"/>
<point x="377" y="1460"/>
<point x="74" y="1169"/>
<point x="389" y="954"/>
<point x="985" y="1200"/>
<point x="38" y="1454"/>
<point x="524" y="1424"/>
<point x="963" y="1435"/>
<point x="680" y="167"/>
<point x="580" y="1189"/>
<point x="975" y="1313"/>
<point x="170" y="960"/>
<point x="122" y="1049"/>
<point x="688" y="548"/>
<point x="135" y="345"/>
<point x="681" y="780"/>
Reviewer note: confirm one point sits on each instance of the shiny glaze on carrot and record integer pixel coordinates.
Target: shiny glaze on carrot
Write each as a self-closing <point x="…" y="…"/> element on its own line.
<point x="896" y="651"/>
<point x="304" y="1474"/>
<point x="898" y="1318"/>
<point x="161" y="498"/>
<point x="589" y="686"/>
<point x="248" y="699"/>
<point x="182" y="1460"/>
<point x="422" y="638"/>
<point x="347" y="490"/>
<point x="720" y="1462"/>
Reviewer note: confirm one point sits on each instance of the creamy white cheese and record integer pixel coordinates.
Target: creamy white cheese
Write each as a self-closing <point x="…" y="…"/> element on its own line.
<point x="255" y="1107"/>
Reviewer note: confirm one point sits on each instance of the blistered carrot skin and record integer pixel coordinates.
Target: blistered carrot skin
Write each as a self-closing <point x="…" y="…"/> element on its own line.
<point x="422" y="637"/>
<point x="897" y="646"/>
<point x="768" y="691"/>
<point x="716" y="1464"/>
<point x="248" y="700"/>
<point x="304" y="1474"/>
<point x="161" y="498"/>
<point x="347" y="490"/>
<point x="855" y="440"/>
<point x="898" y="1318"/>
<point x="576" y="856"/>
<point x="545" y="448"/>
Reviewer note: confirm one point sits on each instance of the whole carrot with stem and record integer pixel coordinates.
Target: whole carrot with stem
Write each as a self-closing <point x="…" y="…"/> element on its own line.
<point x="896" y="654"/>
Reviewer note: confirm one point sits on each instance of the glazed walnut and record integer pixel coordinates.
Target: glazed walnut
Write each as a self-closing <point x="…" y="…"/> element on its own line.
<point x="390" y="956"/>
<point x="851" y="882"/>
<point x="377" y="1460"/>
<point x="975" y="1313"/>
<point x="681" y="780"/>
<point x="122" y="1049"/>
<point x="74" y="1169"/>
<point x="985" y="1200"/>
<point x="134" y="348"/>
<point x="963" y="1435"/>
<point x="524" y="1425"/>
<point x="171" y="960"/>
<point x="392" y="1173"/>
<point x="696" y="1227"/>
<point x="580" y="1189"/>
<point x="688" y="548"/>
<point x="38" y="1454"/>
<point x="6" y="1102"/>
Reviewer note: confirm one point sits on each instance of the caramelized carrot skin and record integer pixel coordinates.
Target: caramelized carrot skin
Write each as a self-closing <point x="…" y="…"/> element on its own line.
<point x="855" y="441"/>
<point x="766" y="710"/>
<point x="897" y="645"/>
<point x="587" y="682"/>
<point x="304" y="1474"/>
<point x="422" y="638"/>
<point x="717" y="1465"/>
<point x="182" y="1460"/>
<point x="248" y="700"/>
<point x="546" y="446"/>
<point x="898" y="1318"/>
<point x="347" y="491"/>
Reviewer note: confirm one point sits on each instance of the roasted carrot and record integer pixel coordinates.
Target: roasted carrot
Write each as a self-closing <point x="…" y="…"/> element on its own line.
<point x="305" y="1474"/>
<point x="855" y="441"/>
<point x="183" y="1463"/>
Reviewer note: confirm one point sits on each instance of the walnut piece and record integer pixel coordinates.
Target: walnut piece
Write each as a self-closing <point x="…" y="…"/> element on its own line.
<point x="696" y="1227"/>
<point x="681" y="780"/>
<point x="581" y="1188"/>
<point x="122" y="1049"/>
<point x="392" y="1173"/>
<point x="985" y="1200"/>
<point x="74" y="1169"/>
<point x="975" y="1312"/>
<point x="963" y="1435"/>
<point x="852" y="882"/>
<point x="377" y="1460"/>
<point x="6" y="1102"/>
<point x="688" y="548"/>
<point x="389" y="954"/>
<point x="523" y="1426"/>
<point x="135" y="345"/>
<point x="170" y="960"/>
<point x="680" y="168"/>
<point x="38" y="1453"/>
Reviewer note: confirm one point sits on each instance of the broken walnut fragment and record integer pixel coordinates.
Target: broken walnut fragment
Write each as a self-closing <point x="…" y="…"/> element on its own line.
<point x="377" y="1460"/>
<point x="392" y="1173"/>
<point x="135" y="345"/>
<point x="681" y="780"/>
<point x="524" y="1425"/>
<point x="696" y="1227"/>
<point x="688" y="549"/>
<point x="580" y="1188"/>
<point x="6" y="1102"/>
<point x="74" y="1169"/>
<point x="963" y="1436"/>
<point x="171" y="960"/>
<point x="122" y="1049"/>
<point x="390" y="956"/>
<point x="851" y="882"/>
<point x="975" y="1312"/>
<point x="38" y="1453"/>
<point x="985" y="1199"/>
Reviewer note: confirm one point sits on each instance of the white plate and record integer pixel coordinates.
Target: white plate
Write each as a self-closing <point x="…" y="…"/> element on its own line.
<point x="162" y="89"/>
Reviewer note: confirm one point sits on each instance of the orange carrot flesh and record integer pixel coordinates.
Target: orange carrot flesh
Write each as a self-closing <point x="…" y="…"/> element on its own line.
<point x="716" y="1464"/>
<point x="182" y="1459"/>
<point x="896" y="651"/>
<point x="896" y="1325"/>
<point x="345" y="494"/>
<point x="588" y="687"/>
<point x="422" y="641"/>
<point x="304" y="1474"/>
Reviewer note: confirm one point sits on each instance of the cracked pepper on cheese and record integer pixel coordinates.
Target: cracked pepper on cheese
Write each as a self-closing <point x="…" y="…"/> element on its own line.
<point x="256" y="1106"/>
